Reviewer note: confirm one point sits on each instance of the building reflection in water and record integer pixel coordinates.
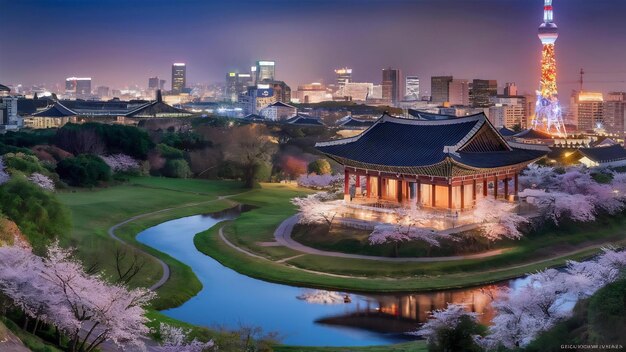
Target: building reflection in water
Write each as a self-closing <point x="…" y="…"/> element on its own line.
<point x="405" y="312"/>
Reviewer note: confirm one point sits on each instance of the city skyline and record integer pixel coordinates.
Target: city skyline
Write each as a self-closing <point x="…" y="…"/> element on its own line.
<point x="125" y="48"/>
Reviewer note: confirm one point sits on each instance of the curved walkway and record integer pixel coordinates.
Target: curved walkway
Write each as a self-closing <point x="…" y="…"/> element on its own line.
<point x="164" y="266"/>
<point x="283" y="236"/>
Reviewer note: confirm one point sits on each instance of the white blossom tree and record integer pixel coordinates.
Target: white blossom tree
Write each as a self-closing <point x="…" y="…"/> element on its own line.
<point x="176" y="339"/>
<point x="409" y="224"/>
<point x="317" y="209"/>
<point x="498" y="219"/>
<point x="535" y="176"/>
<point x="4" y="176"/>
<point x="121" y="162"/>
<point x="42" y="181"/>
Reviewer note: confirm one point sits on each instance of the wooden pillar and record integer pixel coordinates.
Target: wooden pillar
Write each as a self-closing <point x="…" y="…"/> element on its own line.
<point x="357" y="186"/>
<point x="449" y="196"/>
<point x="515" y="185"/>
<point x="462" y="196"/>
<point x="506" y="188"/>
<point x="379" y="183"/>
<point x="433" y="192"/>
<point x="368" y="186"/>
<point x="474" y="192"/>
<point x="346" y="185"/>
<point x="418" y="192"/>
<point x="485" y="188"/>
<point x="495" y="187"/>
<point x="399" y="191"/>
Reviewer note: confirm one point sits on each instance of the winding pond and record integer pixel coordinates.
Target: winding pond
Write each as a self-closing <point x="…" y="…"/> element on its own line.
<point x="229" y="299"/>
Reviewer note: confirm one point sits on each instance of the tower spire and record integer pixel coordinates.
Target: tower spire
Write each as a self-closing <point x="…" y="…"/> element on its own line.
<point x="548" y="115"/>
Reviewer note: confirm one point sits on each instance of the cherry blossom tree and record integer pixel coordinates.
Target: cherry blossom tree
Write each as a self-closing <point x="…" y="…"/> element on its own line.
<point x="176" y="339"/>
<point x="317" y="209"/>
<point x="556" y="205"/>
<point x="4" y="176"/>
<point x="548" y="298"/>
<point x="498" y="219"/>
<point x="56" y="289"/>
<point x="121" y="163"/>
<point x="42" y="181"/>
<point x="320" y="181"/>
<point x="450" y="329"/>
<point x="410" y="224"/>
<point x="535" y="176"/>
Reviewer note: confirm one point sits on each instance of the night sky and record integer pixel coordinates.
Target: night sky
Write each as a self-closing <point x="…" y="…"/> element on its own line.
<point x="123" y="42"/>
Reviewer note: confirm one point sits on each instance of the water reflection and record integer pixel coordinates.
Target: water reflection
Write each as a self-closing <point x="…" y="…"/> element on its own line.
<point x="230" y="299"/>
<point x="404" y="312"/>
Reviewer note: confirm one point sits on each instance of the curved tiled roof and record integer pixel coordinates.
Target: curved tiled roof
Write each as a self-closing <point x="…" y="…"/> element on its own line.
<point x="409" y="143"/>
<point x="356" y="123"/>
<point x="4" y="88"/>
<point x="533" y="134"/>
<point x="604" y="154"/>
<point x="56" y="110"/>
<point x="305" y="120"/>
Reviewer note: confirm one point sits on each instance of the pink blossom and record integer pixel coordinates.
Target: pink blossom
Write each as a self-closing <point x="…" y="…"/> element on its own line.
<point x="320" y="181"/>
<point x="410" y="224"/>
<point x="498" y="219"/>
<point x="317" y="208"/>
<point x="443" y="319"/>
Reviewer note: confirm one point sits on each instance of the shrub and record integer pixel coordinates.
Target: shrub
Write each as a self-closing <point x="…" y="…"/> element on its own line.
<point x="24" y="162"/>
<point x="176" y="168"/>
<point x="39" y="215"/>
<point x="320" y="167"/>
<point x="168" y="152"/>
<point x="84" y="170"/>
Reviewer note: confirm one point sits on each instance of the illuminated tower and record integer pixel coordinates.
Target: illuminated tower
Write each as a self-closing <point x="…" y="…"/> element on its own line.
<point x="548" y="114"/>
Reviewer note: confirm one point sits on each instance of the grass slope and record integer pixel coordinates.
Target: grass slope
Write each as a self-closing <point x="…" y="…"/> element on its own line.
<point x="95" y="211"/>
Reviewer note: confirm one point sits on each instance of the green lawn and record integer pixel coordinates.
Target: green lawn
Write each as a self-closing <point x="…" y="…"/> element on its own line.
<point x="94" y="211"/>
<point x="537" y="252"/>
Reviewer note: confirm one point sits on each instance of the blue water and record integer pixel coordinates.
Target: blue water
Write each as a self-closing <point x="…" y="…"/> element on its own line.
<point x="229" y="299"/>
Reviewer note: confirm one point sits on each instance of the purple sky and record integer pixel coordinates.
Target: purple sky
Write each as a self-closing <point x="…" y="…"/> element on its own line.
<point x="123" y="42"/>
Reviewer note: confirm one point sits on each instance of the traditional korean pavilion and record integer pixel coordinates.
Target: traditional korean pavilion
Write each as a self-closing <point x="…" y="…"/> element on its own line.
<point x="441" y="163"/>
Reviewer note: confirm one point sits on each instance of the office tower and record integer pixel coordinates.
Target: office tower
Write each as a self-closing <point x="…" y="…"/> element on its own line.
<point x="179" y="77"/>
<point x="344" y="75"/>
<point x="253" y="74"/>
<point x="265" y="71"/>
<point x="392" y="85"/>
<point x="357" y="91"/>
<point x="440" y="88"/>
<point x="153" y="83"/>
<point x="162" y="84"/>
<point x="510" y="90"/>
<point x="458" y="92"/>
<point x="615" y="112"/>
<point x="102" y="91"/>
<point x="79" y="87"/>
<point x="412" y="86"/>
<point x="236" y="84"/>
<point x="509" y="116"/>
<point x="482" y="90"/>
<point x="587" y="110"/>
<point x="312" y="93"/>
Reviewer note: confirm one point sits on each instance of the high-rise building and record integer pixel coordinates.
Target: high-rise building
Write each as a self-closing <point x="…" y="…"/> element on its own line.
<point x="482" y="90"/>
<point x="615" y="112"/>
<point x="80" y="87"/>
<point x="509" y="116"/>
<point x="412" y="87"/>
<point x="162" y="84"/>
<point x="587" y="110"/>
<point x="440" y="89"/>
<point x="344" y="75"/>
<point x="179" y="77"/>
<point x="510" y="90"/>
<point x="357" y="91"/>
<point x="103" y="91"/>
<point x="392" y="85"/>
<point x="153" y="83"/>
<point x="265" y="71"/>
<point x="458" y="92"/>
<point x="312" y="93"/>
<point x="236" y="84"/>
